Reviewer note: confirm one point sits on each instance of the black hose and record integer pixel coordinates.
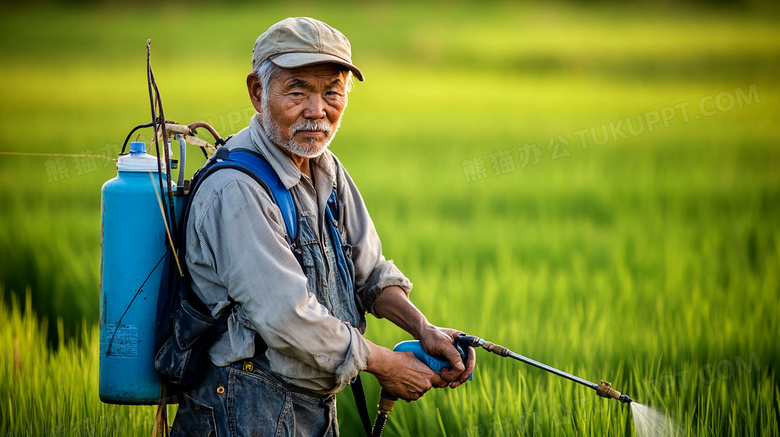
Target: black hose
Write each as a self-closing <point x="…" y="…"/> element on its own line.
<point x="169" y="211"/>
<point x="386" y="402"/>
<point x="149" y="80"/>
<point x="379" y="425"/>
<point x="127" y="139"/>
<point x="140" y="126"/>
<point x="166" y="152"/>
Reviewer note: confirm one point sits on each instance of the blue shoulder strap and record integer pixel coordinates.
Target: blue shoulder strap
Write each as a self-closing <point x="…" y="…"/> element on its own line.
<point x="266" y="176"/>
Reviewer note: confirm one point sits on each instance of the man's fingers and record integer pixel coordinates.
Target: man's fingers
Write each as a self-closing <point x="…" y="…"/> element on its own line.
<point x="448" y="374"/>
<point x="471" y="362"/>
<point x="452" y="355"/>
<point x="438" y="381"/>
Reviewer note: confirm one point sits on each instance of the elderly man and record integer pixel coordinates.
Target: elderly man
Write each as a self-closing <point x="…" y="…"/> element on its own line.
<point x="296" y="337"/>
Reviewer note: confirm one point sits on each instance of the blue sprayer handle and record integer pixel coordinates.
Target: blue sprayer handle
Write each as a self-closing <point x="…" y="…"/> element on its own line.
<point x="435" y="363"/>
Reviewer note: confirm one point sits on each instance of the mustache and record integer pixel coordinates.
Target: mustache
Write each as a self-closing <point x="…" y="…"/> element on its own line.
<point x="312" y="125"/>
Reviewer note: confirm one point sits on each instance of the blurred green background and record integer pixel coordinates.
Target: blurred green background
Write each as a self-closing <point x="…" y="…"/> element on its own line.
<point x="613" y="252"/>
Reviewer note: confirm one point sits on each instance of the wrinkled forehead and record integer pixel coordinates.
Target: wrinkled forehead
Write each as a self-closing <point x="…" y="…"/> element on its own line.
<point x="314" y="74"/>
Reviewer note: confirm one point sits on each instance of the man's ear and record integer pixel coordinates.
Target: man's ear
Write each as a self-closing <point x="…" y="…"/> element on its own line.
<point x="255" y="90"/>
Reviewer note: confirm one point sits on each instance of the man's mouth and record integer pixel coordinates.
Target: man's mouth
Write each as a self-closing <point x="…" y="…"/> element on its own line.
<point x="312" y="129"/>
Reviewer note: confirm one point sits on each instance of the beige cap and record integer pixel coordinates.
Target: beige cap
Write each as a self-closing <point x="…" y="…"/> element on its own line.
<point x="303" y="41"/>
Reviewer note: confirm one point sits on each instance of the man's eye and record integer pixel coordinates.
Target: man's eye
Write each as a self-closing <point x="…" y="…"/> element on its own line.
<point x="296" y="94"/>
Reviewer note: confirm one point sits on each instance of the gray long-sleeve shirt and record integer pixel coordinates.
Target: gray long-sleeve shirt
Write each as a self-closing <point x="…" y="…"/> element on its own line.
<point x="236" y="246"/>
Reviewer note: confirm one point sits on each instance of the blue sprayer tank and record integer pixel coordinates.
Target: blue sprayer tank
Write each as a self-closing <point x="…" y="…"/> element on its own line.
<point x="133" y="244"/>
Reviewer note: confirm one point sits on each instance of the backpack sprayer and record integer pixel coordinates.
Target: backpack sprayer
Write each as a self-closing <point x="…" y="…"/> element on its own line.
<point x="386" y="400"/>
<point x="140" y="208"/>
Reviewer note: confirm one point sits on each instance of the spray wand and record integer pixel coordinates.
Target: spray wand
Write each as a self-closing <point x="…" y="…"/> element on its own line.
<point x="604" y="389"/>
<point x="386" y="401"/>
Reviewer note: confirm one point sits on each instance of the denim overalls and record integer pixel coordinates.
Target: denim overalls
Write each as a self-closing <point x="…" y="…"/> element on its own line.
<point x="246" y="398"/>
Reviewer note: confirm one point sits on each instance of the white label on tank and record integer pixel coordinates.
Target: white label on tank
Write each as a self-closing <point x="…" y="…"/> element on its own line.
<point x="121" y="341"/>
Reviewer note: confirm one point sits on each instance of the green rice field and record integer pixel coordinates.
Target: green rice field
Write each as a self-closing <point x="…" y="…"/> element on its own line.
<point x="594" y="187"/>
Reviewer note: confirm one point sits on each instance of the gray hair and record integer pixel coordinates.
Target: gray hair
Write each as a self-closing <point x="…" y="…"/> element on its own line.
<point x="268" y="71"/>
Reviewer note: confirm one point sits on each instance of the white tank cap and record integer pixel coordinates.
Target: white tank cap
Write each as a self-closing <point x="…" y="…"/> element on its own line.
<point x="137" y="160"/>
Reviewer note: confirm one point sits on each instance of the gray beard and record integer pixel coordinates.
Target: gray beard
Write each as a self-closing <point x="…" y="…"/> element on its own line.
<point x="310" y="149"/>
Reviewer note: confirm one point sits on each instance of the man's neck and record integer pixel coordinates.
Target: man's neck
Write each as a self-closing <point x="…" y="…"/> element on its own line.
<point x="301" y="162"/>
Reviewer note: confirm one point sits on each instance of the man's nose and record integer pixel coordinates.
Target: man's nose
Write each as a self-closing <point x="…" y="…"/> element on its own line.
<point x="315" y="108"/>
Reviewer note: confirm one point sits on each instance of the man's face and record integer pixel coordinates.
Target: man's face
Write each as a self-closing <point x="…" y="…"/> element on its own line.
<point x="303" y="110"/>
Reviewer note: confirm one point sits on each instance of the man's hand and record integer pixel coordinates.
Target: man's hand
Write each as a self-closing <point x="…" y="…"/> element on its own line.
<point x="394" y="305"/>
<point x="401" y="374"/>
<point x="439" y="342"/>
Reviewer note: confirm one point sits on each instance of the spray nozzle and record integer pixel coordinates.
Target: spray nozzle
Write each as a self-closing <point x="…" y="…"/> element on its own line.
<point x="605" y="390"/>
